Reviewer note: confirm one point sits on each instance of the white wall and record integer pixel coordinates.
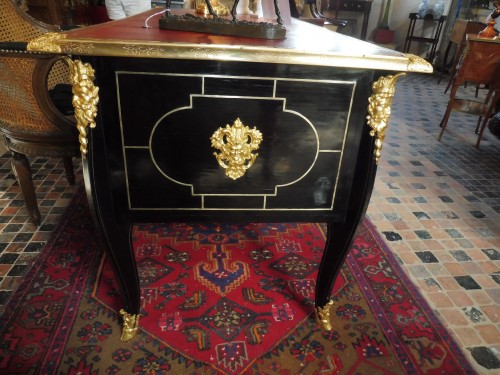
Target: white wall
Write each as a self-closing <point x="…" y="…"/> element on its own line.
<point x="401" y="10"/>
<point x="399" y="22"/>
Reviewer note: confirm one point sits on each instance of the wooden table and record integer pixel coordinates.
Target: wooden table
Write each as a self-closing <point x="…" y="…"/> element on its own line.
<point x="164" y="100"/>
<point x="479" y="64"/>
<point x="359" y="6"/>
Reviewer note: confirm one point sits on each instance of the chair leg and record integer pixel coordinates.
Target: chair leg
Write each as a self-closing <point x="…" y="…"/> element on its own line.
<point x="478" y="124"/>
<point x="487" y="117"/>
<point x="68" y="167"/>
<point x="444" y="121"/>
<point x="22" y="171"/>
<point x="453" y="69"/>
<point x="445" y="59"/>
<point x="480" y="135"/>
<point x="450" y="81"/>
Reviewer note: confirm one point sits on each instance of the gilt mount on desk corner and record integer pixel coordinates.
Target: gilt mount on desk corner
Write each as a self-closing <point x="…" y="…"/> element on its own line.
<point x="214" y="24"/>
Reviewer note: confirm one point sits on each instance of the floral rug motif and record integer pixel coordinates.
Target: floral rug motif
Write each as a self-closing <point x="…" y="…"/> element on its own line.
<point x="220" y="299"/>
<point x="223" y="294"/>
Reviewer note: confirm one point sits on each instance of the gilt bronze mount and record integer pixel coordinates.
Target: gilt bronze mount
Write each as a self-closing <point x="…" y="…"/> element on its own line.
<point x="85" y="99"/>
<point x="130" y="325"/>
<point x="323" y="316"/>
<point x="236" y="144"/>
<point x="214" y="21"/>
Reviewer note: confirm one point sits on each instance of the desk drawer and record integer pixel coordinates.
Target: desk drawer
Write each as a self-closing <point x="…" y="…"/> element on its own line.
<point x="167" y="122"/>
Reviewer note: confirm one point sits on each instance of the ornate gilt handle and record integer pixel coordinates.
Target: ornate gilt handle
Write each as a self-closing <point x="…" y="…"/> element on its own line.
<point x="236" y="143"/>
<point x="379" y="109"/>
<point x="85" y="99"/>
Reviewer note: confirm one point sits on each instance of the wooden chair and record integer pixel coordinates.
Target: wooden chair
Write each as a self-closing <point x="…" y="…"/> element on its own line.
<point x="457" y="38"/>
<point x="479" y="64"/>
<point x="30" y="121"/>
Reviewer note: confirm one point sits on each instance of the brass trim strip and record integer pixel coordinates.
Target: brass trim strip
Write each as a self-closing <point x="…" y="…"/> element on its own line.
<point x="61" y="43"/>
<point x="353" y="84"/>
<point x="242" y="97"/>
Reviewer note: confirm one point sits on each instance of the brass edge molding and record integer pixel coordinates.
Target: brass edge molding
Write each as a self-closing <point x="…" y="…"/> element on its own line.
<point x="130" y="325"/>
<point x="85" y="99"/>
<point x="236" y="144"/>
<point x="418" y="64"/>
<point x="323" y="316"/>
<point x="379" y="109"/>
<point x="98" y="47"/>
<point x="47" y="42"/>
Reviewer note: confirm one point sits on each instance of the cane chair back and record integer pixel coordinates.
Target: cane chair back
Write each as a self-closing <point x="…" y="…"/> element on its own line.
<point x="17" y="26"/>
<point x="30" y="120"/>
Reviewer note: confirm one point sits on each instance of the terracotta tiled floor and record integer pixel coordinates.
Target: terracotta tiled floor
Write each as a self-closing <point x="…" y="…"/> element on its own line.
<point x="438" y="206"/>
<point x="436" y="203"/>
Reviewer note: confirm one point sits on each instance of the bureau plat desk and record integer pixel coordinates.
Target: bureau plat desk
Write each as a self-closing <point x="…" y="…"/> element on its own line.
<point x="185" y="126"/>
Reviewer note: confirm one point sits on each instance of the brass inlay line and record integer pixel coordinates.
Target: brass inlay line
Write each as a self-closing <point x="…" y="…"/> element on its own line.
<point x="85" y="99"/>
<point x="266" y="78"/>
<point x="379" y="109"/>
<point x="348" y="122"/>
<point x="233" y="97"/>
<point x="227" y="209"/>
<point x="151" y="148"/>
<point x="264" y="195"/>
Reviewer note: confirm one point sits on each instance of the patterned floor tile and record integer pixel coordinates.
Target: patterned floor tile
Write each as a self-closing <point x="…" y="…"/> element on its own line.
<point x="454" y="190"/>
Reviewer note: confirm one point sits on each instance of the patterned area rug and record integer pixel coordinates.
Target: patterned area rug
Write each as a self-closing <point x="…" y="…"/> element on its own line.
<point x="220" y="299"/>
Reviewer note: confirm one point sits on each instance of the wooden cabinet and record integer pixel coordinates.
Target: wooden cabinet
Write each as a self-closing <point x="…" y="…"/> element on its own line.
<point x="432" y="40"/>
<point x="52" y="12"/>
<point x="358" y="6"/>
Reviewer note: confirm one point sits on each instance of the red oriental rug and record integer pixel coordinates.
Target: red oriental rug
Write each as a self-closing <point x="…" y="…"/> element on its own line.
<point x="220" y="299"/>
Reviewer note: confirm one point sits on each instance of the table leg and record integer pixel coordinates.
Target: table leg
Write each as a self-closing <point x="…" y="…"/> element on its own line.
<point x="115" y="232"/>
<point x="366" y="17"/>
<point x="339" y="237"/>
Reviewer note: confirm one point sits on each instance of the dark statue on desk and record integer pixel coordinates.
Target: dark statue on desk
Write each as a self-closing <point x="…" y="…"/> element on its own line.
<point x="213" y="22"/>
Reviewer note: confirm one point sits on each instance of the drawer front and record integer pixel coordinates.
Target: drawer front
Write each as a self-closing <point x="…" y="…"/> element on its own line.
<point x="304" y="160"/>
<point x="354" y="6"/>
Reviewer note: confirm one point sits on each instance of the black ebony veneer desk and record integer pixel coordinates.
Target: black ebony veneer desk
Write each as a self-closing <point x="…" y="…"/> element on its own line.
<point x="185" y="126"/>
